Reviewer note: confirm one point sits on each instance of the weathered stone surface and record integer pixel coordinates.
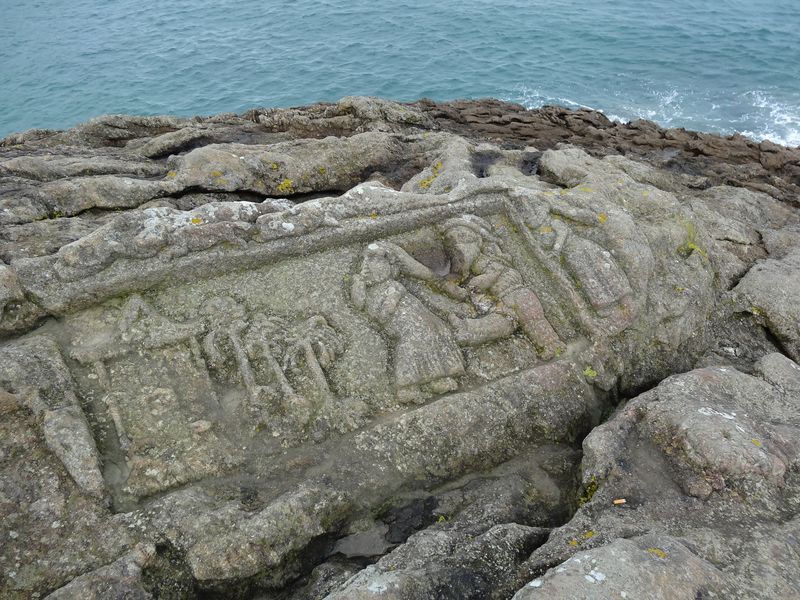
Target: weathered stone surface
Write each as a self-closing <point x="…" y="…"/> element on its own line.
<point x="649" y="566"/>
<point x="770" y="291"/>
<point x="120" y="579"/>
<point x="708" y="458"/>
<point x="67" y="434"/>
<point x="351" y="349"/>
<point x="50" y="530"/>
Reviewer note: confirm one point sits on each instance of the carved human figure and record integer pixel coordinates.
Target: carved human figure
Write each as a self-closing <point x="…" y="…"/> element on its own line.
<point x="604" y="283"/>
<point x="426" y="356"/>
<point x="497" y="289"/>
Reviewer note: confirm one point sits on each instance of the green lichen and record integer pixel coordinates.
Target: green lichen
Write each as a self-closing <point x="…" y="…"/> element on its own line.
<point x="286" y="186"/>
<point x="590" y="372"/>
<point x="658" y="552"/>
<point x="589" y="491"/>
<point x="322" y="170"/>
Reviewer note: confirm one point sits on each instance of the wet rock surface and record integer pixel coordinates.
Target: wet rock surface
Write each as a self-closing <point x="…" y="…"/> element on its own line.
<point x="381" y="350"/>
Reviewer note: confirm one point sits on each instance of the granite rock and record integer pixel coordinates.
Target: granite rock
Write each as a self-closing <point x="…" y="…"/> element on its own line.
<point x="355" y="350"/>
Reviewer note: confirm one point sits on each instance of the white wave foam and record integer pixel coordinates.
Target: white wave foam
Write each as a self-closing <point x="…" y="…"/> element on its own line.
<point x="533" y="98"/>
<point x="781" y="120"/>
<point x="765" y="117"/>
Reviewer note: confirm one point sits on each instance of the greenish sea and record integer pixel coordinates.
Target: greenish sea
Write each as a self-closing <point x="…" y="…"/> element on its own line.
<point x="716" y="65"/>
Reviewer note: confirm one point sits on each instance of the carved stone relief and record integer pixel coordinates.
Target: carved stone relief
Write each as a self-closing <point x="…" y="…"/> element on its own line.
<point x="193" y="380"/>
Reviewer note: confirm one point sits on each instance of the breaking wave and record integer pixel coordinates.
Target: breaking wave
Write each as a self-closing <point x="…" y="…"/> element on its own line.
<point x="758" y="114"/>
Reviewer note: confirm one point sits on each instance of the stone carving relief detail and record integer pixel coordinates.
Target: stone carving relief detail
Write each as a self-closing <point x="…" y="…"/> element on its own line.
<point x="165" y="385"/>
<point x="257" y="350"/>
<point x="274" y="376"/>
<point x="481" y="299"/>
<point x="263" y="351"/>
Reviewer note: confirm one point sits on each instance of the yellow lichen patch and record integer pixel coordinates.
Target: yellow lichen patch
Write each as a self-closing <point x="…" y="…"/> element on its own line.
<point x="274" y="166"/>
<point x="196" y="220"/>
<point x="573" y="542"/>
<point x="756" y="311"/>
<point x="286" y="186"/>
<point x="545" y="229"/>
<point x="756" y="443"/>
<point x="172" y="174"/>
<point x="216" y="173"/>
<point x="602" y="217"/>
<point x="587" y="535"/>
<point x="586" y="189"/>
<point x="658" y="552"/>
<point x="695" y="248"/>
<point x="563" y="192"/>
<point x="322" y="170"/>
<point x="645" y="194"/>
<point x="590" y="372"/>
<point x="435" y="170"/>
<point x="373" y="215"/>
<point x="690" y="244"/>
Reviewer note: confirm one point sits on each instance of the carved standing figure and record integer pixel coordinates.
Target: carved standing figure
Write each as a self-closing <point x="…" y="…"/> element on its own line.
<point x="497" y="289"/>
<point x="425" y="353"/>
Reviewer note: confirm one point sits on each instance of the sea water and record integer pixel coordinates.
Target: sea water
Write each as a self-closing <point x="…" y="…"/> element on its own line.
<point x="712" y="65"/>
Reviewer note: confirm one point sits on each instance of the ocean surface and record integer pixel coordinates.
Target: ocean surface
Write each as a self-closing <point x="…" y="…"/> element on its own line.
<point x="711" y="65"/>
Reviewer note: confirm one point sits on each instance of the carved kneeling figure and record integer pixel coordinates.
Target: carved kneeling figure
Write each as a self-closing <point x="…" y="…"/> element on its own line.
<point x="497" y="290"/>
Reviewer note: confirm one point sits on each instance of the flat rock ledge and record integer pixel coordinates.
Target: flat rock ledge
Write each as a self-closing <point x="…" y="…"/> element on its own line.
<point x="380" y="350"/>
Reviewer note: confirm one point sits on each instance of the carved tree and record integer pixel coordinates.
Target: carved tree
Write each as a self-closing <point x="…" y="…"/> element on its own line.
<point x="317" y="344"/>
<point x="263" y="340"/>
<point x="233" y="333"/>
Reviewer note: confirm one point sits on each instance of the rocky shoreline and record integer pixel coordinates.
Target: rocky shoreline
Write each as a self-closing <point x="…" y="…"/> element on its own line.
<point x="380" y="350"/>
